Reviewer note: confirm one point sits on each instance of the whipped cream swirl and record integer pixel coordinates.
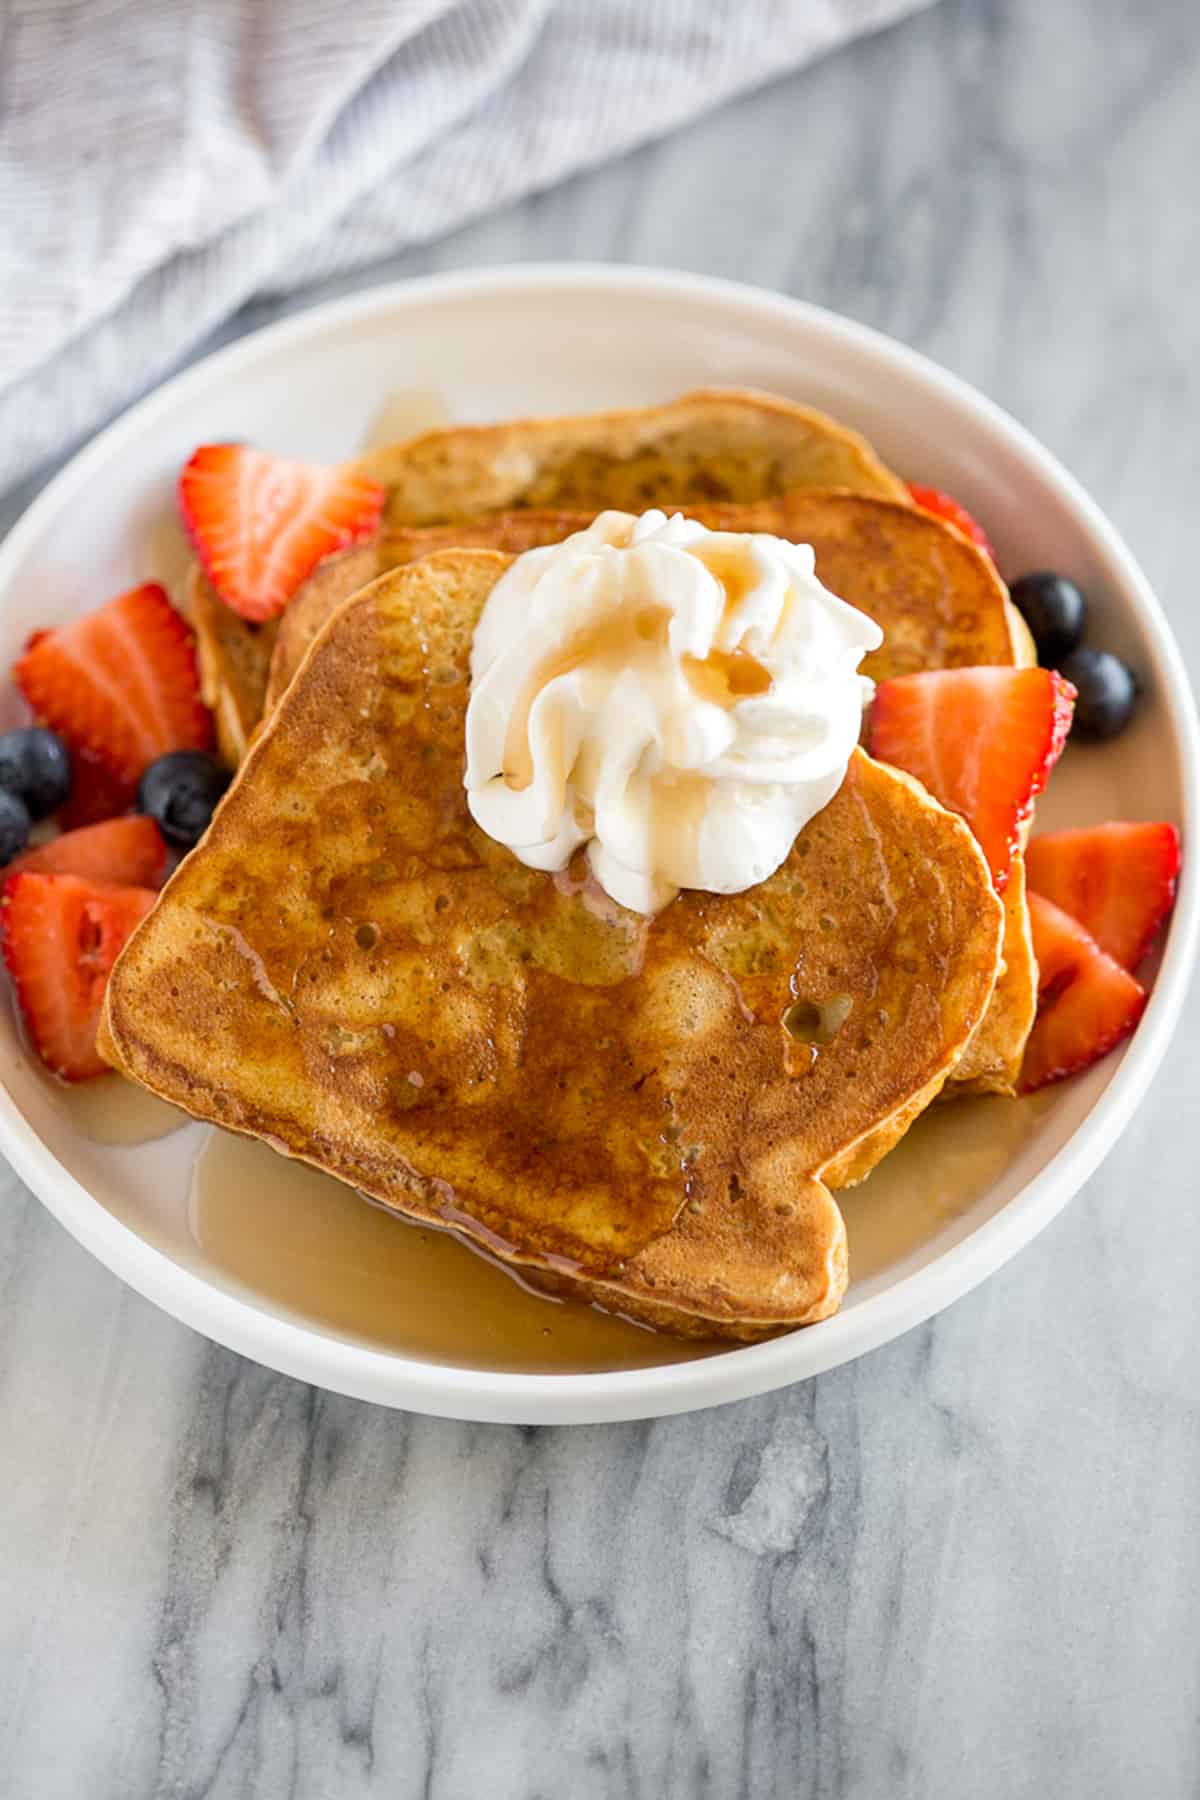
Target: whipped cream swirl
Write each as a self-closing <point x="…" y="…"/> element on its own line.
<point x="680" y="700"/>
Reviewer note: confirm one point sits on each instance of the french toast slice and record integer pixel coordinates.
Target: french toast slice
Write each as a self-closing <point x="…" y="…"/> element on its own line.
<point x="719" y="444"/>
<point x="936" y="597"/>
<point x="991" y="1063"/>
<point x="726" y="444"/>
<point x="648" y="1111"/>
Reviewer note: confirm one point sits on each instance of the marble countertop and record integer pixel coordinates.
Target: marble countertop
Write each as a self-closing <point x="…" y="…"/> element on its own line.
<point x="967" y="1564"/>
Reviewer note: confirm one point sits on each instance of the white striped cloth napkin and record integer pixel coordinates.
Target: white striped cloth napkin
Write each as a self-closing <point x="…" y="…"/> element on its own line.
<point x="162" y="161"/>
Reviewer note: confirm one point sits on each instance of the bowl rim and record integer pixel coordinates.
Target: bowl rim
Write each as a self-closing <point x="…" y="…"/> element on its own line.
<point x="314" y="1354"/>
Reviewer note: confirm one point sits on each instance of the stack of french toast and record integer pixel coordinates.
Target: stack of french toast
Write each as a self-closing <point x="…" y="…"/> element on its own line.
<point x="651" y="1111"/>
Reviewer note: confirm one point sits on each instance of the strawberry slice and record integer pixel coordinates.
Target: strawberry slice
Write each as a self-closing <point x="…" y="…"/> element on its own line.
<point x="61" y="938"/>
<point x="129" y="852"/>
<point x="98" y="791"/>
<point x="1117" y="880"/>
<point x="261" y="524"/>
<point x="952" y="511"/>
<point x="1086" y="1002"/>
<point x="982" y="740"/>
<point x="120" y="686"/>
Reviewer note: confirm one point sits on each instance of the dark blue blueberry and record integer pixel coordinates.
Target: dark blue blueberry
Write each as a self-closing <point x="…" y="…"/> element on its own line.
<point x="1106" y="690"/>
<point x="34" y="766"/>
<point x="180" y="790"/>
<point x="1054" y="610"/>
<point x="14" y="826"/>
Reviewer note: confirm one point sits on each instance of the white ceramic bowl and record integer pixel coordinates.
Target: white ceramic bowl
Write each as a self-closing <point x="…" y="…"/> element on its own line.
<point x="525" y="340"/>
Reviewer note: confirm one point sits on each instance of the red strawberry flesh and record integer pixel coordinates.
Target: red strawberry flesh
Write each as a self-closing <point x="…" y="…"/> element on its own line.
<point x="1087" y="1003"/>
<point x="1118" y="880"/>
<point x="129" y="852"/>
<point x="982" y="740"/>
<point x="952" y="512"/>
<point x="119" y="685"/>
<point x="61" y="938"/>
<point x="261" y="523"/>
<point x="98" y="791"/>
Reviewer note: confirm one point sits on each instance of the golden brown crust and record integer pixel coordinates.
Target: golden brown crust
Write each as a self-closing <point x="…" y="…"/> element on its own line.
<point x="719" y="444"/>
<point x="234" y="654"/>
<point x="937" y="598"/>
<point x="732" y="1273"/>
<point x="991" y="1062"/>
<point x="233" y="657"/>
<point x="317" y="601"/>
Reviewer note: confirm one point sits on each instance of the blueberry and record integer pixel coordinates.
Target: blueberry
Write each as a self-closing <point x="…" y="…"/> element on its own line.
<point x="1105" y="692"/>
<point x="180" y="790"/>
<point x="14" y="826"/>
<point x="1054" y="610"/>
<point x="34" y="766"/>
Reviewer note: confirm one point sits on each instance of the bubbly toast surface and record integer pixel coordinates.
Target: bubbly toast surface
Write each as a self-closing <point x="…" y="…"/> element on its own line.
<point x="937" y="598"/>
<point x="719" y="444"/>
<point x="650" y="1112"/>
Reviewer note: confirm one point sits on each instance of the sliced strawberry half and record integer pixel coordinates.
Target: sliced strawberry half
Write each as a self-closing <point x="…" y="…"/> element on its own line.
<point x="130" y="852"/>
<point x="1118" y="881"/>
<point x="1087" y="1003"/>
<point x="98" y="791"/>
<point x="120" y="686"/>
<point x="945" y="506"/>
<point x="261" y="523"/>
<point x="982" y="741"/>
<point x="61" y="938"/>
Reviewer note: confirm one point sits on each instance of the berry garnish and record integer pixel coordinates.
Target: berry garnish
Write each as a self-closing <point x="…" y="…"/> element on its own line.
<point x="1054" y="610"/>
<point x="1107" y="691"/>
<point x="128" y="851"/>
<point x="1116" y="880"/>
<point x="180" y="791"/>
<point x="61" y="938"/>
<point x="14" y="825"/>
<point x="35" y="766"/>
<point x="120" y="686"/>
<point x="983" y="741"/>
<point x="1086" y="1002"/>
<point x="97" y="791"/>
<point x="261" y="524"/>
<point x="945" y="506"/>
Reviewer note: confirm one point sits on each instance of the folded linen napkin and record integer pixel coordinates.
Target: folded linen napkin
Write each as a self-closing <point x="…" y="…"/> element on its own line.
<point x="162" y="161"/>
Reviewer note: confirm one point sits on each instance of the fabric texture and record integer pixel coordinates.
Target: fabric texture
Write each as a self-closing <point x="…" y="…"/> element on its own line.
<point x="163" y="161"/>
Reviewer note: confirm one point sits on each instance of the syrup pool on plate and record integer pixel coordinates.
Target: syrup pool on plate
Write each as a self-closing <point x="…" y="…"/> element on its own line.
<point x="322" y="1252"/>
<point x="111" y="1110"/>
<point x="315" y="1248"/>
<point x="947" y="1161"/>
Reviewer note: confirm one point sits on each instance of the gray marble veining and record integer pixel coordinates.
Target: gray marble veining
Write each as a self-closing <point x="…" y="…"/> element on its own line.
<point x="966" y="1565"/>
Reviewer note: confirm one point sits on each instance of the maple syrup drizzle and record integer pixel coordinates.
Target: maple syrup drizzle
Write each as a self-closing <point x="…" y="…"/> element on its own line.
<point x="611" y="645"/>
<point x="316" y="1248"/>
<point x="618" y="642"/>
